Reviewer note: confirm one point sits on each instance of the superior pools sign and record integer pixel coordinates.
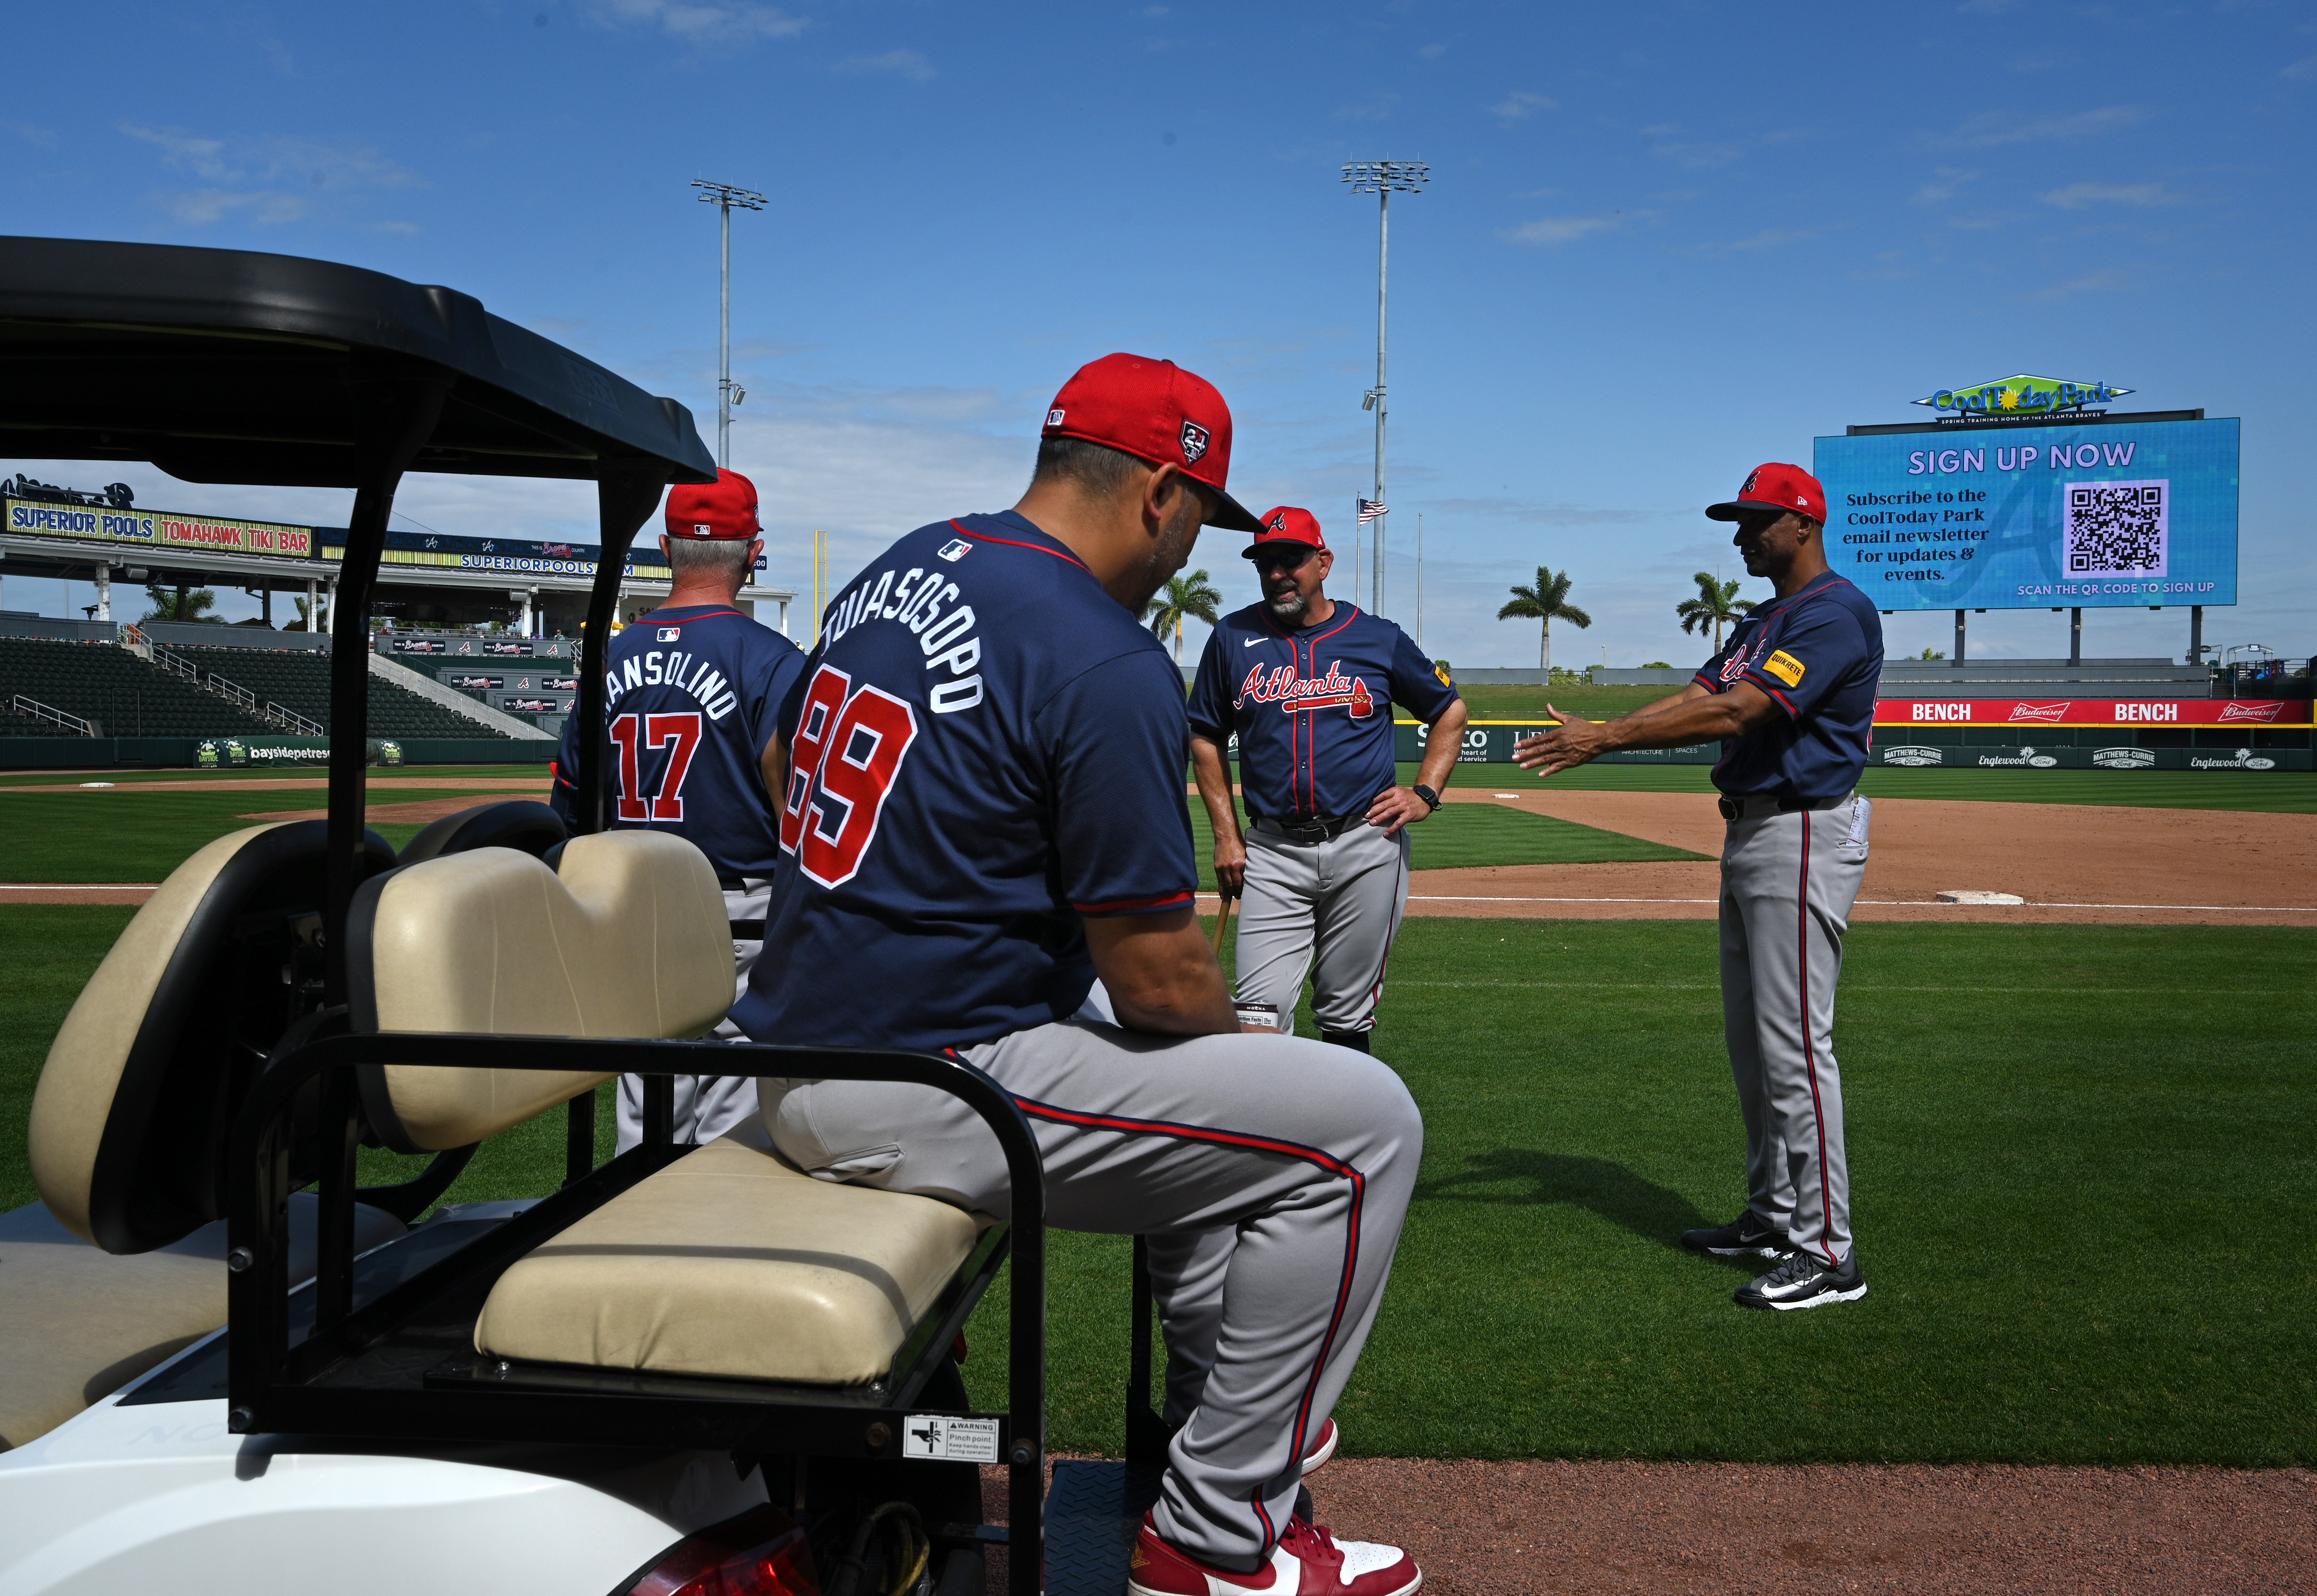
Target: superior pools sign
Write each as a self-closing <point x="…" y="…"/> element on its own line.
<point x="159" y="529"/>
<point x="2100" y="515"/>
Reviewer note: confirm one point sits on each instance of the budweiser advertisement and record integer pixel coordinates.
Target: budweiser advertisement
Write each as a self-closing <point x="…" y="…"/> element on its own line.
<point x="2091" y="712"/>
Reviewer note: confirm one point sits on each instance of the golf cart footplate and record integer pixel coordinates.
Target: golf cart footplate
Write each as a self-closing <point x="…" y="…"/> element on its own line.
<point x="1092" y="1516"/>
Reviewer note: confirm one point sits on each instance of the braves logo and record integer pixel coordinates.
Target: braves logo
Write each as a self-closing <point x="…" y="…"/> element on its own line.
<point x="1747" y="487"/>
<point x="1279" y="522"/>
<point x="1300" y="695"/>
<point x="1196" y="439"/>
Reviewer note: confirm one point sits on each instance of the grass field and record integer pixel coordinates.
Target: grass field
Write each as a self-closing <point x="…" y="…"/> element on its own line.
<point x="1464" y="834"/>
<point x="2277" y="792"/>
<point x="2085" y="1160"/>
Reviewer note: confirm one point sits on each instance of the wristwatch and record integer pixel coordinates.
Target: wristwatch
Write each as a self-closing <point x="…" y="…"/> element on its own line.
<point x="1431" y="798"/>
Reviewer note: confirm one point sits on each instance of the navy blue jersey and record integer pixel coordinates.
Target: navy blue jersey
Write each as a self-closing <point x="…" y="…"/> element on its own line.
<point x="1312" y="707"/>
<point x="1819" y="655"/>
<point x="691" y="698"/>
<point x="987" y="749"/>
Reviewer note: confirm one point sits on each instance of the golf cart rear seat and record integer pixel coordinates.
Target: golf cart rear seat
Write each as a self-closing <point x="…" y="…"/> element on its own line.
<point x="123" y="1261"/>
<point x="727" y="1263"/>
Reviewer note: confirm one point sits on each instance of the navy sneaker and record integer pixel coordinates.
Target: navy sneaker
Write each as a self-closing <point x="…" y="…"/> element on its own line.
<point x="1744" y="1236"/>
<point x="1804" y="1281"/>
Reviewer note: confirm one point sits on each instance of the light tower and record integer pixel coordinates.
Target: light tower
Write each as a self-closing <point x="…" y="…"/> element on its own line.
<point x="1382" y="179"/>
<point x="725" y="197"/>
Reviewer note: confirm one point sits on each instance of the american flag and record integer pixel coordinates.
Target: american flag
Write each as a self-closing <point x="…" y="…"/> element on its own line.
<point x="1370" y="510"/>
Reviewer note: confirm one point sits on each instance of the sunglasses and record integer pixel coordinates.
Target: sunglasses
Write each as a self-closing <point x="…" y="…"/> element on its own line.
<point x="1282" y="559"/>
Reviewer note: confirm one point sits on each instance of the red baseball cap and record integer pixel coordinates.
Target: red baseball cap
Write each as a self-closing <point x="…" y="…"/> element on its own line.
<point x="1154" y="410"/>
<point x="725" y="508"/>
<point x="1286" y="525"/>
<point x="1775" y="487"/>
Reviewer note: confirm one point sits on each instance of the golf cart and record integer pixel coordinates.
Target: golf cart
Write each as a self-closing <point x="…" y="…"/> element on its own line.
<point x="223" y="1361"/>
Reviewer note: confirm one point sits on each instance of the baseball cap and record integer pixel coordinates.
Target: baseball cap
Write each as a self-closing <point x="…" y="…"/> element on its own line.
<point x="1286" y="525"/>
<point x="1154" y="410"/>
<point x="725" y="508"/>
<point x="1774" y="487"/>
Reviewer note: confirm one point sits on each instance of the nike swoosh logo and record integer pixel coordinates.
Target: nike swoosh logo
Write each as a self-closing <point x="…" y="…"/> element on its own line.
<point x="1250" y="642"/>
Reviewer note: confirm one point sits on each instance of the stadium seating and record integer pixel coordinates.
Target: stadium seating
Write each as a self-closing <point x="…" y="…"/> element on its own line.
<point x="123" y="694"/>
<point x="300" y="680"/>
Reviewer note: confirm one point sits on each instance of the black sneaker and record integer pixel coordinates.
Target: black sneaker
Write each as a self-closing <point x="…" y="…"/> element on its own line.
<point x="1742" y="1237"/>
<point x="1804" y="1282"/>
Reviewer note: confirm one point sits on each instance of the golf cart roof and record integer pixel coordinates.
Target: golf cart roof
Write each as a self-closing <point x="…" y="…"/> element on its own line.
<point x="225" y="366"/>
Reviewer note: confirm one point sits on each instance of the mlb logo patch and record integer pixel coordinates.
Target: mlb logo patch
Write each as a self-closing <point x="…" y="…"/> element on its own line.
<point x="1195" y="441"/>
<point x="670" y="634"/>
<point x="957" y="548"/>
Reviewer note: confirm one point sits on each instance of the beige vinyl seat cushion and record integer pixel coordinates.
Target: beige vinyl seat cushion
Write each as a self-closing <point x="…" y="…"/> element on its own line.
<point x="627" y="937"/>
<point x="731" y="1262"/>
<point x="77" y="1323"/>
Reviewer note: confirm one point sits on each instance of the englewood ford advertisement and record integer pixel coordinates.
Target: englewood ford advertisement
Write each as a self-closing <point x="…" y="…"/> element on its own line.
<point x="2100" y="515"/>
<point x="2091" y="712"/>
<point x="159" y="529"/>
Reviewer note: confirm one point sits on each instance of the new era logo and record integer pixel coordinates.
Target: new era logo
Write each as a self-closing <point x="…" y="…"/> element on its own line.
<point x="1054" y="417"/>
<point x="957" y="548"/>
<point x="1195" y="441"/>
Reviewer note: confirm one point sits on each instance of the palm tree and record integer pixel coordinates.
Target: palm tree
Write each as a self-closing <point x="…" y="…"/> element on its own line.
<point x="1716" y="605"/>
<point x="1193" y="596"/>
<point x="180" y="605"/>
<point x="1547" y="602"/>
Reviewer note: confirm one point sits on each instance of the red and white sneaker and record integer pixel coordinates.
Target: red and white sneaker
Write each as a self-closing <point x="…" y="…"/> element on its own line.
<point x="1307" y="1562"/>
<point x="1323" y="1447"/>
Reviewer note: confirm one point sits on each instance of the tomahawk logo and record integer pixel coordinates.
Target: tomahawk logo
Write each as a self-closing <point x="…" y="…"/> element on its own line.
<point x="1747" y="487"/>
<point x="1279" y="522"/>
<point x="1195" y="441"/>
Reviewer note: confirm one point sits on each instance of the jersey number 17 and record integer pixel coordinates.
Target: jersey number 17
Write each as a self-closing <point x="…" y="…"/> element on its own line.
<point x="848" y="749"/>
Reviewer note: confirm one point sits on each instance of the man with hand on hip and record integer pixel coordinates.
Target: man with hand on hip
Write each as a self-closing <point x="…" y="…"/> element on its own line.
<point x="1792" y="698"/>
<point x="1307" y="685"/>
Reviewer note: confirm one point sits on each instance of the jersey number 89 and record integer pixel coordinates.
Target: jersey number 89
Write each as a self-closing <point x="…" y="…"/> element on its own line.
<point x="848" y="749"/>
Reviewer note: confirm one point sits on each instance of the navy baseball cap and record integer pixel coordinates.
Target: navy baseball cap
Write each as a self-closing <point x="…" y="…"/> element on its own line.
<point x="1770" y="488"/>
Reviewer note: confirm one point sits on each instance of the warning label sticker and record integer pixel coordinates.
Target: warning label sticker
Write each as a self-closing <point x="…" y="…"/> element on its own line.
<point x="949" y="1438"/>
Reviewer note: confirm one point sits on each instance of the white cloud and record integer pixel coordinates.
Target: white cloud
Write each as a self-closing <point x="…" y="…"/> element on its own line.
<point x="1767" y="238"/>
<point x="1992" y="128"/>
<point x="1945" y="186"/>
<point x="901" y="63"/>
<point x="305" y="162"/>
<point x="1566" y="229"/>
<point x="1681" y="152"/>
<point x="2302" y="71"/>
<point x="399" y="228"/>
<point x="731" y="22"/>
<point x="1377" y="107"/>
<point x="205" y="207"/>
<point x="1432" y="52"/>
<point x="2108" y="280"/>
<point x="1519" y="107"/>
<point x="45" y="137"/>
<point x="2078" y="196"/>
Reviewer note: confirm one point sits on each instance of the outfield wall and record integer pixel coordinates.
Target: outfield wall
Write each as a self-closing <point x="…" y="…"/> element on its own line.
<point x="185" y="753"/>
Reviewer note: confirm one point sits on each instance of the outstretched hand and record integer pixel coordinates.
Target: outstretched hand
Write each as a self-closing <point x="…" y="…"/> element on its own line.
<point x="1565" y="747"/>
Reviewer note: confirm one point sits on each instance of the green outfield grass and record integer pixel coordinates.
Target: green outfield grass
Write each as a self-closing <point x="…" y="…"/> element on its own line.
<point x="2276" y="791"/>
<point x="2084" y="1161"/>
<point x="458" y="773"/>
<point x="1462" y="834"/>
<point x="1495" y="702"/>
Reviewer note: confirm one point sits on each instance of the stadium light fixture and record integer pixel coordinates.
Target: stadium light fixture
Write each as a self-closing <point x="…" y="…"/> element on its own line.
<point x="726" y="198"/>
<point x="1382" y="179"/>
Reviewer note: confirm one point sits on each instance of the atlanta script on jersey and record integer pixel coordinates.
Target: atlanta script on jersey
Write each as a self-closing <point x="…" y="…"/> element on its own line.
<point x="1312" y="707"/>
<point x="1818" y="654"/>
<point x="986" y="748"/>
<point x="691" y="696"/>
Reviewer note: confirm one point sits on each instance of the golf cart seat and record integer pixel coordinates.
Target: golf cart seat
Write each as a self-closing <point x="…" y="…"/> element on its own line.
<point x="627" y="937"/>
<point x="123" y="1262"/>
<point x="727" y="1262"/>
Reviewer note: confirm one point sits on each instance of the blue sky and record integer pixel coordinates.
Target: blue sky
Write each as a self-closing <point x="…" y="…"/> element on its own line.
<point x="1662" y="242"/>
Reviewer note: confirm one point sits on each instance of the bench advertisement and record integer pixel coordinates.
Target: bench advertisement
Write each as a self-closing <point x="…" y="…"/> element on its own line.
<point x="2249" y="712"/>
<point x="2099" y="516"/>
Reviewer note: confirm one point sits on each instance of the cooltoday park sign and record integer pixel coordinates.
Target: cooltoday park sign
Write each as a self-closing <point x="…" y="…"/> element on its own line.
<point x="2109" y="513"/>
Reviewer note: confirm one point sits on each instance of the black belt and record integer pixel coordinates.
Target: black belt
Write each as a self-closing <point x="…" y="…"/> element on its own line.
<point x="1734" y="809"/>
<point x="1325" y="829"/>
<point x="747" y="930"/>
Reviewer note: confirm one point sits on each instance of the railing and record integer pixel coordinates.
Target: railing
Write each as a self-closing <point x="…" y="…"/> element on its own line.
<point x="290" y="720"/>
<point x="232" y="692"/>
<point x="38" y="710"/>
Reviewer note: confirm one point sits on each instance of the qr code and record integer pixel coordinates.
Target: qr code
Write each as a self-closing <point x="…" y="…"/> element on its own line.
<point x="2117" y="529"/>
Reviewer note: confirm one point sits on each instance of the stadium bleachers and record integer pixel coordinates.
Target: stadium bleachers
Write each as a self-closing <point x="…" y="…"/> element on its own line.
<point x="106" y="683"/>
<point x="300" y="680"/>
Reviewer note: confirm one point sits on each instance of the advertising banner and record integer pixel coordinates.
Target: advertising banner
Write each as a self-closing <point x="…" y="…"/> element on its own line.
<point x="1900" y="754"/>
<point x="2100" y="515"/>
<point x="2083" y="711"/>
<point x="1490" y="742"/>
<point x="160" y="529"/>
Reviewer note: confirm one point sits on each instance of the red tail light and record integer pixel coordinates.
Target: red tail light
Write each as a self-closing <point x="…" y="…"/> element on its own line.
<point x="761" y="1553"/>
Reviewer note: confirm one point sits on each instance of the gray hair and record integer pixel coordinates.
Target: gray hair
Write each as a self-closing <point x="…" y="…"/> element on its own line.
<point x="723" y="558"/>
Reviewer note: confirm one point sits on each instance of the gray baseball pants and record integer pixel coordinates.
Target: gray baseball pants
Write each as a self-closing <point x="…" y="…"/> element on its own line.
<point x="1341" y="901"/>
<point x="708" y="1106"/>
<point x="1788" y="881"/>
<point x="1270" y="1173"/>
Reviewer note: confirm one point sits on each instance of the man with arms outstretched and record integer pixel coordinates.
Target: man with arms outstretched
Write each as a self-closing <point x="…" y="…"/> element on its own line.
<point x="984" y="814"/>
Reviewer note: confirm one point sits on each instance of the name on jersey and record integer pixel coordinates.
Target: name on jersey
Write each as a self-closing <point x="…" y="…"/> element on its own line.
<point x="678" y="668"/>
<point x="1295" y="694"/>
<point x="920" y="601"/>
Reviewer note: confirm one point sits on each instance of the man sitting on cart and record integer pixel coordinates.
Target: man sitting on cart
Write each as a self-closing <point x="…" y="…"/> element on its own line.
<point x="984" y="815"/>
